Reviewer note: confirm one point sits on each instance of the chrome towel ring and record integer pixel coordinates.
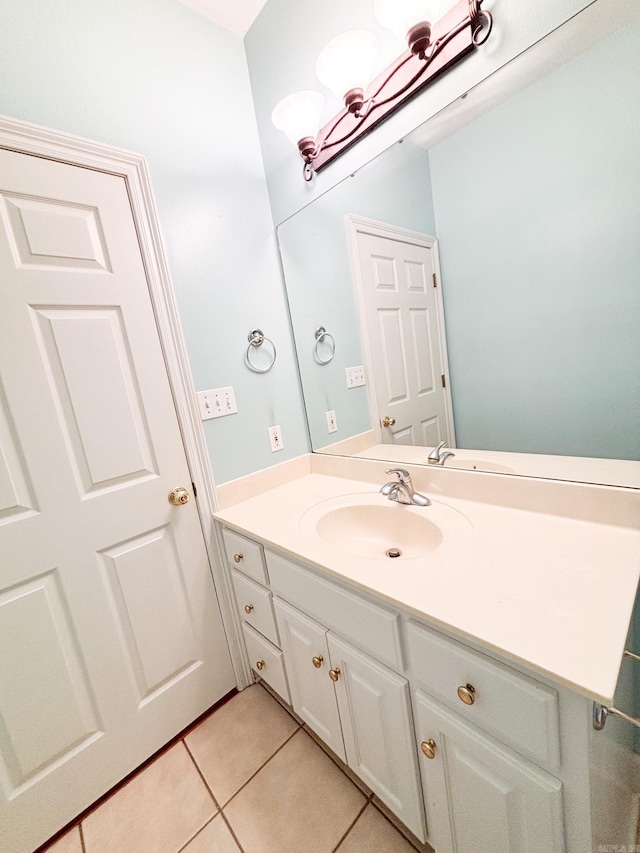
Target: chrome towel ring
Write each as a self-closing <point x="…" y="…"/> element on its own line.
<point x="321" y="336"/>
<point x="256" y="339"/>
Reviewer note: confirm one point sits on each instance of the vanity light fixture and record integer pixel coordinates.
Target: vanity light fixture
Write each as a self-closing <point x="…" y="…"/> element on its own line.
<point x="344" y="65"/>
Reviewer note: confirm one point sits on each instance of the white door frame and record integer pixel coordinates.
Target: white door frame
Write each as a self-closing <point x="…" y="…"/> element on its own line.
<point x="361" y="225"/>
<point x="28" y="138"/>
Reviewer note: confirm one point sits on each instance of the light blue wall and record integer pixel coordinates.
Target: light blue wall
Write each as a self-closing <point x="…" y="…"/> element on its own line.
<point x="540" y="256"/>
<point x="394" y="189"/>
<point x="154" y="77"/>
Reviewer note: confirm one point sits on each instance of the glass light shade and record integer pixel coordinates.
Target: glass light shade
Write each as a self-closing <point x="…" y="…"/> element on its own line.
<point x="347" y="62"/>
<point x="400" y="16"/>
<point x="298" y="115"/>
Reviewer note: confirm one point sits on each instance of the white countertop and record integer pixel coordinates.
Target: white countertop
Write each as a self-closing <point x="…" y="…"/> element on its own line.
<point x="554" y="594"/>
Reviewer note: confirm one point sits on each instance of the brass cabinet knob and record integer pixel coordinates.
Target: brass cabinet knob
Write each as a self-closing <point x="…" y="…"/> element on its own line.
<point x="237" y="557"/>
<point x="334" y="674"/>
<point x="248" y="608"/>
<point x="178" y="496"/>
<point x="260" y="665"/>
<point x="317" y="661"/>
<point x="387" y="421"/>
<point x="467" y="694"/>
<point x="429" y="748"/>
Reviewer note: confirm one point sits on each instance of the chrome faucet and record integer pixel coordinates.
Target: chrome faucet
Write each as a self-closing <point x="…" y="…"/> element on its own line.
<point x="401" y="490"/>
<point x="437" y="457"/>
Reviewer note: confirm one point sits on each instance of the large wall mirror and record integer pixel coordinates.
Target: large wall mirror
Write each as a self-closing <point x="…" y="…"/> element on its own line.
<point x="525" y="358"/>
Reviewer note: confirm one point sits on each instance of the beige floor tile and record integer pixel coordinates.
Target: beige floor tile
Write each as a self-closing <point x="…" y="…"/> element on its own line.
<point x="157" y="812"/>
<point x="69" y="843"/>
<point x="235" y="741"/>
<point x="374" y="832"/>
<point x="300" y="801"/>
<point x="214" y="838"/>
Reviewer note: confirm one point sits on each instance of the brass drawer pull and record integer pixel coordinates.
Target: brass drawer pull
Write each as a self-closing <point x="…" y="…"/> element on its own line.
<point x="237" y="557"/>
<point x="467" y="694"/>
<point x="260" y="665"/>
<point x="334" y="674"/>
<point x="429" y="748"/>
<point x="248" y="608"/>
<point x="317" y="661"/>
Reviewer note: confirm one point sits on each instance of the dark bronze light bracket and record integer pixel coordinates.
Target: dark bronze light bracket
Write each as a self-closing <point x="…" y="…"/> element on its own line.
<point x="431" y="53"/>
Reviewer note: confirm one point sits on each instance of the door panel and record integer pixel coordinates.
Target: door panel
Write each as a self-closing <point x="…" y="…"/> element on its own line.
<point x="480" y="796"/>
<point x="86" y="356"/>
<point x="403" y="339"/>
<point x="107" y="605"/>
<point x="378" y="731"/>
<point x="312" y="694"/>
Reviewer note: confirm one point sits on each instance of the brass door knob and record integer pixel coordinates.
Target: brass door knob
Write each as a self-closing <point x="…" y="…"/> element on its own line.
<point x="248" y="608"/>
<point x="317" y="661"/>
<point x="387" y="421"/>
<point x="467" y="694"/>
<point x="260" y="665"/>
<point x="429" y="748"/>
<point x="178" y="496"/>
<point x="334" y="674"/>
<point x="237" y="557"/>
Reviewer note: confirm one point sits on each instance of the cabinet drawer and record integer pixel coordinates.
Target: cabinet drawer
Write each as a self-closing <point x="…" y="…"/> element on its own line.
<point x="254" y="606"/>
<point x="373" y="628"/>
<point x="267" y="661"/>
<point x="515" y="709"/>
<point x="245" y="555"/>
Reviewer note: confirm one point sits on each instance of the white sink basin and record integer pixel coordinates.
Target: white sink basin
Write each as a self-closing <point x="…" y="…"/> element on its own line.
<point x="369" y="525"/>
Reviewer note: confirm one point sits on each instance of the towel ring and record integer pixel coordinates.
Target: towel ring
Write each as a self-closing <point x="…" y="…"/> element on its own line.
<point x="320" y="336"/>
<point x="256" y="339"/>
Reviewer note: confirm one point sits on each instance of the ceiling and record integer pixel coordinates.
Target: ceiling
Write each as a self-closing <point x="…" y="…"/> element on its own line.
<point x="234" y="15"/>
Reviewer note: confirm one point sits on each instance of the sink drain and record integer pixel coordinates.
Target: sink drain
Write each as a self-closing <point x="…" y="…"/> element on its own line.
<point x="393" y="552"/>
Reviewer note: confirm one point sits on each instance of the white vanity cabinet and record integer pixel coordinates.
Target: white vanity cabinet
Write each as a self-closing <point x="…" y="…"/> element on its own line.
<point x="245" y="559"/>
<point x="472" y="752"/>
<point x="480" y="796"/>
<point x="485" y="732"/>
<point x="359" y="707"/>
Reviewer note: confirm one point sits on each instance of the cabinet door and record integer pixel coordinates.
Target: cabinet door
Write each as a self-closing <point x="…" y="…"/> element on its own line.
<point x="312" y="694"/>
<point x="378" y="734"/>
<point x="480" y="796"/>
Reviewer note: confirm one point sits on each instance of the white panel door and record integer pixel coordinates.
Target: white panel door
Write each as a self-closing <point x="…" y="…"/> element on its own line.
<point x="403" y="339"/>
<point x="481" y="797"/>
<point x="378" y="731"/>
<point x="312" y="694"/>
<point x="111" y="639"/>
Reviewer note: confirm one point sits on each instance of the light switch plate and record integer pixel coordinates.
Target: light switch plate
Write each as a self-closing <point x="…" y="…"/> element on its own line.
<point x="355" y="376"/>
<point x="217" y="403"/>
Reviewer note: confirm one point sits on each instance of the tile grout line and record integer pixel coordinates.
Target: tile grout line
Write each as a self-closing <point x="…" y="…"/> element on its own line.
<point x="231" y="830"/>
<point x="262" y="766"/>
<point x="83" y="846"/>
<point x="350" y="827"/>
<point x="203" y="827"/>
<point x="421" y="849"/>
<point x="204" y="781"/>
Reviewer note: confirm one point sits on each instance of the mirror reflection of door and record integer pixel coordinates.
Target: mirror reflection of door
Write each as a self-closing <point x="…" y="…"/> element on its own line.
<point x="400" y="308"/>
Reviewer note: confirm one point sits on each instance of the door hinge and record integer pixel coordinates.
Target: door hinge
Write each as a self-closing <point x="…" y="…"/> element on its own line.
<point x="195" y="491"/>
<point x="444" y="381"/>
<point x="435" y="280"/>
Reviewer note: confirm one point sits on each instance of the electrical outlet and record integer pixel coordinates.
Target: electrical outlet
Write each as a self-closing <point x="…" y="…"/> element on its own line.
<point x="217" y="403"/>
<point x="355" y="376"/>
<point x="332" y="423"/>
<point x="275" y="438"/>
